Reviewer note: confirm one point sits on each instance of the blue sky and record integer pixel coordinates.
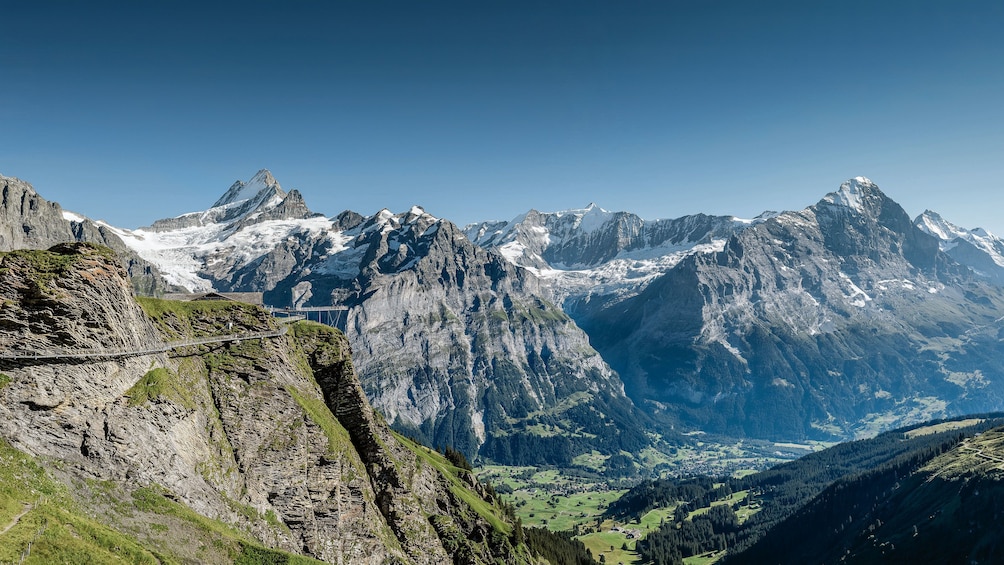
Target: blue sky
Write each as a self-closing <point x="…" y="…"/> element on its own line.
<point x="134" y="111"/>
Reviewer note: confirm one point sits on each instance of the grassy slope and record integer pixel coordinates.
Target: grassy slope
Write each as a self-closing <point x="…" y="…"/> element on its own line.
<point x="61" y="529"/>
<point x="483" y="508"/>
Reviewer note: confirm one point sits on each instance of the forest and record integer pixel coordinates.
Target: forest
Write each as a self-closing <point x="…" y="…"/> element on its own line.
<point x="871" y="466"/>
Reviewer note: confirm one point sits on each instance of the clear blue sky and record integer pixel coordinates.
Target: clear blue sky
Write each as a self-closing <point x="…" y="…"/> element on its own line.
<point x="133" y="111"/>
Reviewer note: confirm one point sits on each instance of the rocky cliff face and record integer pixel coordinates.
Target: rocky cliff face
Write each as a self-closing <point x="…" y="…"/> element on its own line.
<point x="272" y="435"/>
<point x="840" y="319"/>
<point x="457" y="345"/>
<point x="28" y="221"/>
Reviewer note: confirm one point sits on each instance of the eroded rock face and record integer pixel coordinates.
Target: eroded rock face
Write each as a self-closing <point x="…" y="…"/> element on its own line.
<point x="456" y="344"/>
<point x="835" y="320"/>
<point x="232" y="429"/>
<point x="28" y="221"/>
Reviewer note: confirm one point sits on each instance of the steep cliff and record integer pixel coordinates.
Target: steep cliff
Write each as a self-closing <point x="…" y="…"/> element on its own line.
<point x="243" y="446"/>
<point x="456" y="344"/>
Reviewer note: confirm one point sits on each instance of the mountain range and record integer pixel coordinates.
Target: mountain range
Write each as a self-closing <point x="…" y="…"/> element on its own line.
<point x="833" y="321"/>
<point x="454" y="345"/>
<point x="556" y="334"/>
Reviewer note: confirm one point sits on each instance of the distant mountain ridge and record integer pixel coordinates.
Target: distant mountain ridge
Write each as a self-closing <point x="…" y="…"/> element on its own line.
<point x="978" y="249"/>
<point x="590" y="258"/>
<point x="928" y="493"/>
<point x="826" y="321"/>
<point x="454" y="344"/>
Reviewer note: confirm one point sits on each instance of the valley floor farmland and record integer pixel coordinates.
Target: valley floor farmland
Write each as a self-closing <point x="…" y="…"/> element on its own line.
<point x="575" y="500"/>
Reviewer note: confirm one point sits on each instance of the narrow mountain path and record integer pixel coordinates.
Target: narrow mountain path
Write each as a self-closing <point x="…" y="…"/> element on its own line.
<point x="136" y="351"/>
<point x="27" y="508"/>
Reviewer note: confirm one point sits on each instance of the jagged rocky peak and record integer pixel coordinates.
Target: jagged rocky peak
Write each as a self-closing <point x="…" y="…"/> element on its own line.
<point x="257" y="200"/>
<point x="384" y="220"/>
<point x="849" y="218"/>
<point x="10" y="182"/>
<point x="262" y="180"/>
<point x="417" y="214"/>
<point x="416" y="219"/>
<point x="934" y="224"/>
<point x="27" y="220"/>
<point x="856" y="193"/>
<point x="591" y="217"/>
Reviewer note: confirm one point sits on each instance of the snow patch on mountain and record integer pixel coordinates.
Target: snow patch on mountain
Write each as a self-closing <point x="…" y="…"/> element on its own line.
<point x="240" y="228"/>
<point x="589" y="252"/>
<point x="856" y="296"/>
<point x="73" y="217"/>
<point x="182" y="253"/>
<point x="251" y="221"/>
<point x="624" y="276"/>
<point x="850" y="193"/>
<point x="588" y="219"/>
<point x="240" y="191"/>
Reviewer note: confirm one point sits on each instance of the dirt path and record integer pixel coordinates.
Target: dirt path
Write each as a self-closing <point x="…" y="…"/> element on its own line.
<point x="27" y="509"/>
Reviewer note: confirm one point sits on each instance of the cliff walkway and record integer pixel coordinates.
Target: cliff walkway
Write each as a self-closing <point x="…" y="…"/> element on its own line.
<point x="120" y="352"/>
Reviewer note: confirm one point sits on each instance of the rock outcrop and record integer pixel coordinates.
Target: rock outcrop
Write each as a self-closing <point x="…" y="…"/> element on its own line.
<point x="28" y="221"/>
<point x="272" y="435"/>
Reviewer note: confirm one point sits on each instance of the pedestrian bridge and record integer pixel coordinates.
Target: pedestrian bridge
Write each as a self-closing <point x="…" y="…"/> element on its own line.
<point x="334" y="316"/>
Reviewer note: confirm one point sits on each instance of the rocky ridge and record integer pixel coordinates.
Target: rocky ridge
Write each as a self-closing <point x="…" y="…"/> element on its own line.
<point x="978" y="249"/>
<point x="591" y="259"/>
<point x="239" y="431"/>
<point x="836" y="320"/>
<point x="28" y="221"/>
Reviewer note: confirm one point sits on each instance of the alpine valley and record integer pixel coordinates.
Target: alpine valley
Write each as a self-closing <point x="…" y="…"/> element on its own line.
<point x="596" y="343"/>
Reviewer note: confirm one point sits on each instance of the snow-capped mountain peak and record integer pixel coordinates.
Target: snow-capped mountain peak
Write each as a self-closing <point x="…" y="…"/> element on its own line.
<point x="934" y="224"/>
<point x="240" y="191"/>
<point x="415" y="214"/>
<point x="247" y="222"/>
<point x="591" y="218"/>
<point x="851" y="193"/>
<point x="966" y="245"/>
